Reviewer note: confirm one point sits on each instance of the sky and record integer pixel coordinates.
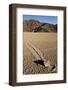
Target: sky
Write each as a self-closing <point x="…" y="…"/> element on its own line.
<point x="44" y="19"/>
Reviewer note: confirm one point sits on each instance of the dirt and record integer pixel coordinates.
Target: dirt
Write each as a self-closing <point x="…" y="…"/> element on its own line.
<point x="46" y="43"/>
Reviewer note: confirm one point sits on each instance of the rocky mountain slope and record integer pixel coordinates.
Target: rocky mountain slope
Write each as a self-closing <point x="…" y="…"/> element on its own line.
<point x="36" y="26"/>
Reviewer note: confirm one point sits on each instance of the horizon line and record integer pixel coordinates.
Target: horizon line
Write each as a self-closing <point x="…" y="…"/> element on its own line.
<point x="42" y="19"/>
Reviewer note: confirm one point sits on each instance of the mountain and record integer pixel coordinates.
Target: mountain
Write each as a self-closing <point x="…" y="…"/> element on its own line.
<point x="37" y="26"/>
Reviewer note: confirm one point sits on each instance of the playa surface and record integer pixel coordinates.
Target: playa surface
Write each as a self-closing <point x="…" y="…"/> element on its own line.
<point x="39" y="46"/>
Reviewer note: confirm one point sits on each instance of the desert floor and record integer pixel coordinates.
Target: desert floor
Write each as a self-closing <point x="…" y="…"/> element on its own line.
<point x="46" y="45"/>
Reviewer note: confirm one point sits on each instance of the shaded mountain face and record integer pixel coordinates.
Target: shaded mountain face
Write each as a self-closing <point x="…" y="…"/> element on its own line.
<point x="36" y="26"/>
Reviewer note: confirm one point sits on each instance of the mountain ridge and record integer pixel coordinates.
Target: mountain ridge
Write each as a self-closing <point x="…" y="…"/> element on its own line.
<point x="37" y="26"/>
